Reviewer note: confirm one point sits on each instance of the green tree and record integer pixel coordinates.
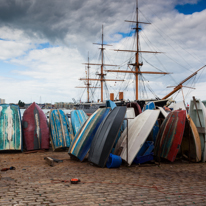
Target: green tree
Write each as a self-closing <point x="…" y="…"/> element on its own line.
<point x="21" y="104"/>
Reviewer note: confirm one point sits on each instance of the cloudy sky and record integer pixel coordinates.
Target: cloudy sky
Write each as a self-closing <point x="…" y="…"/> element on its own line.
<point x="44" y="43"/>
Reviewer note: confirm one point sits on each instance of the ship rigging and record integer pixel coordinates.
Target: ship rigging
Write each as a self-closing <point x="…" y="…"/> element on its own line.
<point x="136" y="69"/>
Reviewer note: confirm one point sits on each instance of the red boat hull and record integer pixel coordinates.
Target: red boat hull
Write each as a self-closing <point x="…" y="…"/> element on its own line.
<point x="170" y="135"/>
<point x="35" y="128"/>
<point x="137" y="108"/>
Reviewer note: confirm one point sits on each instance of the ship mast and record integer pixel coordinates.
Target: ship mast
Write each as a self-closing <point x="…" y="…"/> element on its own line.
<point x="137" y="53"/>
<point x="87" y="83"/>
<point x="101" y="74"/>
<point x="136" y="66"/>
<point x="179" y="86"/>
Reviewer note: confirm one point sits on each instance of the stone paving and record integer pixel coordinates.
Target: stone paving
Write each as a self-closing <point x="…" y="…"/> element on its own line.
<point x="34" y="182"/>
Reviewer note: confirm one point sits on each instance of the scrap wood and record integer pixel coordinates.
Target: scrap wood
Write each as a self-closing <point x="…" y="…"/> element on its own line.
<point x="54" y="159"/>
<point x="51" y="160"/>
<point x="57" y="160"/>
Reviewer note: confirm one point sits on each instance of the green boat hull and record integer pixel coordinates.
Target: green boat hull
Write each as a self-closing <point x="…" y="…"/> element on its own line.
<point x="10" y="127"/>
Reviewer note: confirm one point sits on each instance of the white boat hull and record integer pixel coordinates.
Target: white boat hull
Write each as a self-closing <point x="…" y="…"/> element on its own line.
<point x="138" y="133"/>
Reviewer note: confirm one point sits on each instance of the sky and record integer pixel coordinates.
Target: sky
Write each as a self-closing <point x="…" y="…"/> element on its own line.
<point x="43" y="45"/>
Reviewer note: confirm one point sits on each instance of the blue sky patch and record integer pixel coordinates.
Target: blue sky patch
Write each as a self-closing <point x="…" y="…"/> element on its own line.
<point x="191" y="8"/>
<point x="44" y="45"/>
<point x="7" y="69"/>
<point x="3" y="39"/>
<point x="124" y="35"/>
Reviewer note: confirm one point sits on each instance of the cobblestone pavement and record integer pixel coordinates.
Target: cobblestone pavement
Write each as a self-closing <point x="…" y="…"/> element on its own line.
<point x="34" y="182"/>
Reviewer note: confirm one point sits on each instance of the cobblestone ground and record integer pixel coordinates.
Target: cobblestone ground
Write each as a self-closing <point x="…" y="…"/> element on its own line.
<point x="34" y="182"/>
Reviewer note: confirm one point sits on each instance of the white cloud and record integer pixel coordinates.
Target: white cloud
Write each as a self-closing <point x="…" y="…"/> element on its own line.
<point x="11" y="49"/>
<point x="53" y="72"/>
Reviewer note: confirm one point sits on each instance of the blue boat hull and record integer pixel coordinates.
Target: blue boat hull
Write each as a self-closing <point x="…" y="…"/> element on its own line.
<point x="61" y="130"/>
<point x="83" y="139"/>
<point x="78" y="118"/>
<point x="105" y="136"/>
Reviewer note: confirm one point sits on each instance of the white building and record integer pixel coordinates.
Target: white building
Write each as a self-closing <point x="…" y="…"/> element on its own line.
<point x="2" y="101"/>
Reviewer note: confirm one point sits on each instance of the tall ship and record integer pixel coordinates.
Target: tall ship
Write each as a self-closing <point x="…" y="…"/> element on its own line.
<point x="134" y="68"/>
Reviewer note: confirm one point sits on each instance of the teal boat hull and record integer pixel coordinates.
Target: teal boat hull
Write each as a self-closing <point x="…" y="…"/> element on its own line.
<point x="78" y="118"/>
<point x="10" y="128"/>
<point x="61" y="130"/>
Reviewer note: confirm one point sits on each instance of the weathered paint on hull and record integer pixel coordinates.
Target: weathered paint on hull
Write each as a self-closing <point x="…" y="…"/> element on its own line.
<point x="191" y="144"/>
<point x="61" y="130"/>
<point x="78" y="118"/>
<point x="83" y="139"/>
<point x="10" y="127"/>
<point x="170" y="135"/>
<point x="35" y="128"/>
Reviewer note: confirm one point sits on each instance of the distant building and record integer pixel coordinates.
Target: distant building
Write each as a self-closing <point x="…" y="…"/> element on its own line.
<point x="48" y="106"/>
<point x="2" y="101"/>
<point x="61" y="105"/>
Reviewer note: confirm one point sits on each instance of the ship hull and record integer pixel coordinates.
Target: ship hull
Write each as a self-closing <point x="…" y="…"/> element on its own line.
<point x="10" y="128"/>
<point x="105" y="137"/>
<point x="61" y="130"/>
<point x="78" y="118"/>
<point x="83" y="139"/>
<point x="170" y="135"/>
<point x="35" y="128"/>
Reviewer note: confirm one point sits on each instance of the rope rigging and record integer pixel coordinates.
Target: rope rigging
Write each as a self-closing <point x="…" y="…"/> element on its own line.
<point x="160" y="32"/>
<point x="139" y="56"/>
